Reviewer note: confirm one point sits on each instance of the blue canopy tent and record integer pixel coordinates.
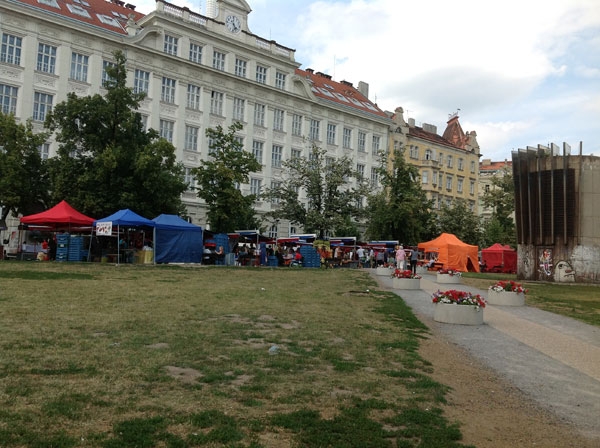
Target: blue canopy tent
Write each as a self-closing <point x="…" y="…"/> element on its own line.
<point x="176" y="240"/>
<point x="123" y="218"/>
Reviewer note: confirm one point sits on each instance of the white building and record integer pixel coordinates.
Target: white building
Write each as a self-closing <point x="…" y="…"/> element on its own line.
<point x="197" y="71"/>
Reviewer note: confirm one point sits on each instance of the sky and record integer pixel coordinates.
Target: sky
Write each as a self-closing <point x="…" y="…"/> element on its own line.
<point x="518" y="72"/>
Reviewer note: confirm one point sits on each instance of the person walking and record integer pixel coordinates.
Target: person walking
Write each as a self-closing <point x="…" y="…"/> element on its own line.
<point x="400" y="258"/>
<point x="414" y="258"/>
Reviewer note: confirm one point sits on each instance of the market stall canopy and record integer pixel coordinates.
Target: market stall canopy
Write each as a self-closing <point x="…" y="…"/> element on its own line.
<point x="453" y="253"/>
<point x="499" y="258"/>
<point x="61" y="216"/>
<point x="250" y="236"/>
<point x="176" y="240"/>
<point x="125" y="218"/>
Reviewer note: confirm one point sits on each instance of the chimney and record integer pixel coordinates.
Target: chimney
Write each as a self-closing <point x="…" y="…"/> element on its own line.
<point x="411" y="122"/>
<point x="211" y="8"/>
<point x="363" y="88"/>
<point x="347" y="83"/>
<point x="310" y="70"/>
<point x="430" y="128"/>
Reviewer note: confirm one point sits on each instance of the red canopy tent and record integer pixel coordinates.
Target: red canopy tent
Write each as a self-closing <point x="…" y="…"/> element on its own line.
<point x="453" y="253"/>
<point x="499" y="258"/>
<point x="61" y="216"/>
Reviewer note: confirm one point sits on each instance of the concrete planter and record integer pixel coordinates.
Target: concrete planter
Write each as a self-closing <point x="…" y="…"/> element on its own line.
<point x="406" y="283"/>
<point x="505" y="298"/>
<point x="447" y="278"/>
<point x="451" y="313"/>
<point x="383" y="271"/>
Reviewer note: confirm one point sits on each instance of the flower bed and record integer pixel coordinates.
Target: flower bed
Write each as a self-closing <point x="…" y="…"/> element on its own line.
<point x="404" y="273"/>
<point x="506" y="293"/>
<point x="448" y="276"/>
<point x="458" y="307"/>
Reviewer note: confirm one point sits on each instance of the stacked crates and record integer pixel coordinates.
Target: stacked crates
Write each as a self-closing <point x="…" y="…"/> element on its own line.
<point x="75" y="248"/>
<point x="62" y="246"/>
<point x="310" y="257"/>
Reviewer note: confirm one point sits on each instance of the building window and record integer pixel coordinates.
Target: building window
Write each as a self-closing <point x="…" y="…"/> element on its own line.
<point x="193" y="96"/>
<point x="240" y="142"/>
<point x="167" y="94"/>
<point x="448" y="182"/>
<point x="425" y="177"/>
<point x="255" y="187"/>
<point x="314" y="130"/>
<point x="257" y="150"/>
<point x="46" y="58"/>
<point x="196" y="53"/>
<point x="440" y="158"/>
<point x="296" y="153"/>
<point x="216" y="103"/>
<point x="170" y="45"/>
<point x="239" y="106"/>
<point x="44" y="150"/>
<point x="105" y="78"/>
<point x="414" y="152"/>
<point x="450" y="161"/>
<point x="331" y="128"/>
<point x="240" y="68"/>
<point x="459" y="184"/>
<point x="278" y="116"/>
<point x="297" y="125"/>
<point x="259" y="114"/>
<point x="261" y="74"/>
<point x="273" y="229"/>
<point x="376" y="145"/>
<point x="360" y="169"/>
<point x="461" y="164"/>
<point x="166" y="130"/>
<point x="374" y="178"/>
<point x="472" y="167"/>
<point x="362" y="138"/>
<point x="191" y="138"/>
<point x="276" y="155"/>
<point x="42" y="105"/>
<point x="8" y="99"/>
<point x="428" y="154"/>
<point x="79" y="67"/>
<point x="188" y="178"/>
<point x="144" y="119"/>
<point x="434" y="177"/>
<point x="11" y="49"/>
<point x="219" y="60"/>
<point x="280" y="80"/>
<point x="141" y="82"/>
<point x="347" y="138"/>
<point x="275" y="199"/>
<point x="472" y="187"/>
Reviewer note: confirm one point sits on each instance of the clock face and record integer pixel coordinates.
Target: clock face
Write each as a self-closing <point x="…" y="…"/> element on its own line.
<point x="233" y="24"/>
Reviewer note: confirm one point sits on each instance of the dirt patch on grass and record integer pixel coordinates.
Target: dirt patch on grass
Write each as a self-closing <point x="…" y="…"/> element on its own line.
<point x="185" y="375"/>
<point x="492" y="413"/>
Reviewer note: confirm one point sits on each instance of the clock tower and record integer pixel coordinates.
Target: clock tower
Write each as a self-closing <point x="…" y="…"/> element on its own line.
<point x="233" y="13"/>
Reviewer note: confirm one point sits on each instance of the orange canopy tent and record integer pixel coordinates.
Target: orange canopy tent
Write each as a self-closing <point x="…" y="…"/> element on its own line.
<point x="499" y="258"/>
<point x="453" y="253"/>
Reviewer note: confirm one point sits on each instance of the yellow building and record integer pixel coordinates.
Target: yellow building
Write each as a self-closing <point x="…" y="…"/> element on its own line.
<point x="448" y="163"/>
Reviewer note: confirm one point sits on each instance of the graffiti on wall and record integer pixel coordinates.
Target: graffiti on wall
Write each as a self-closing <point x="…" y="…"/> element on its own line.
<point x="545" y="265"/>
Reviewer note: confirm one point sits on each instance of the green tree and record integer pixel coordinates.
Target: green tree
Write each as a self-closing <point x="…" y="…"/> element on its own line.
<point x="331" y="198"/>
<point x="501" y="199"/>
<point x="401" y="211"/>
<point x="106" y="160"/>
<point x="461" y="221"/>
<point x="219" y="179"/>
<point x="23" y="182"/>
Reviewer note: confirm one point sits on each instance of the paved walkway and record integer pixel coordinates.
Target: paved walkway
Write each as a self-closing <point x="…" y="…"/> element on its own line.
<point x="553" y="359"/>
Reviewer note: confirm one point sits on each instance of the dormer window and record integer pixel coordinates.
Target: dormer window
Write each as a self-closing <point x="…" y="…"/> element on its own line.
<point x="79" y="11"/>
<point x="52" y="3"/>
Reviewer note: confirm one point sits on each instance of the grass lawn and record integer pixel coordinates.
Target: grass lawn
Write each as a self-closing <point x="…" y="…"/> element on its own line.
<point x="144" y="356"/>
<point x="579" y="301"/>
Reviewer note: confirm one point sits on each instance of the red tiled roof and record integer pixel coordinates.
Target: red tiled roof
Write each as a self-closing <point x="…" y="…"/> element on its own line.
<point x="115" y="10"/>
<point x="342" y="93"/>
<point x="430" y="136"/>
<point x="454" y="133"/>
<point x="494" y="166"/>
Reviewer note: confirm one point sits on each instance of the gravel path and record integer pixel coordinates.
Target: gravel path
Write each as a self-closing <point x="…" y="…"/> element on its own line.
<point x="554" y="360"/>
